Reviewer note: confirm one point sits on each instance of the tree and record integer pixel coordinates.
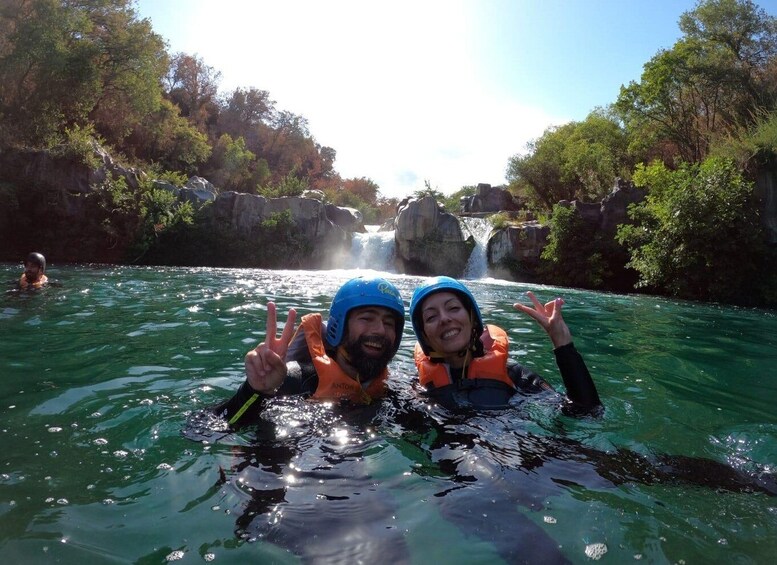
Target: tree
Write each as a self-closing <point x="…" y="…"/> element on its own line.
<point x="130" y="60"/>
<point x="232" y="166"/>
<point x="711" y="84"/>
<point x="166" y="138"/>
<point x="366" y="189"/>
<point x="193" y="86"/>
<point x="386" y="208"/>
<point x="68" y="63"/>
<point x="698" y="233"/>
<point x="427" y="190"/>
<point x="576" y="161"/>
<point x="243" y="113"/>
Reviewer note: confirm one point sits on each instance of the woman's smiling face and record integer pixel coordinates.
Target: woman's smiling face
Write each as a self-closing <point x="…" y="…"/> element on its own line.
<point x="447" y="325"/>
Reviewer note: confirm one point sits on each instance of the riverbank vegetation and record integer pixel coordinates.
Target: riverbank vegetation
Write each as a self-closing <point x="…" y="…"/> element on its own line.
<point x="698" y="131"/>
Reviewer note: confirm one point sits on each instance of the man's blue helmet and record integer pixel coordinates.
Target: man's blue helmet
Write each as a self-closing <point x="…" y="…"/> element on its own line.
<point x="439" y="284"/>
<point x="360" y="292"/>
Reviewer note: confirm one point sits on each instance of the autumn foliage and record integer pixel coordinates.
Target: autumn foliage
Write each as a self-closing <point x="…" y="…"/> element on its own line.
<point x="93" y="64"/>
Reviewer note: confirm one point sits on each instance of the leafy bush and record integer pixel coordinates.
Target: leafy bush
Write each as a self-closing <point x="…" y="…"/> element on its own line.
<point x="79" y="145"/>
<point x="500" y="220"/>
<point x="427" y="190"/>
<point x="698" y="233"/>
<point x="290" y="185"/>
<point x="576" y="253"/>
<point x="452" y="203"/>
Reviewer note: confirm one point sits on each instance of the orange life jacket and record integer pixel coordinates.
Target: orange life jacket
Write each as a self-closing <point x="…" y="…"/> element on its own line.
<point x="333" y="382"/>
<point x="492" y="365"/>
<point x="43" y="279"/>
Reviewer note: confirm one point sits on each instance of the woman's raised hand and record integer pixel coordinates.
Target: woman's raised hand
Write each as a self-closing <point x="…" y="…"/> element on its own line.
<point x="266" y="364"/>
<point x="549" y="317"/>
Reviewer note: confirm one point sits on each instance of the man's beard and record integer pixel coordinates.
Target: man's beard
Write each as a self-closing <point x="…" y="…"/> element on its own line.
<point x="369" y="366"/>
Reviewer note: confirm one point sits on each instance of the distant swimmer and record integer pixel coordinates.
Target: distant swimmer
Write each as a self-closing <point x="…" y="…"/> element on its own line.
<point x="34" y="269"/>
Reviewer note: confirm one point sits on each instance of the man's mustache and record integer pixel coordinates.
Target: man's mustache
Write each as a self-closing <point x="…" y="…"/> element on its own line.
<point x="374" y="340"/>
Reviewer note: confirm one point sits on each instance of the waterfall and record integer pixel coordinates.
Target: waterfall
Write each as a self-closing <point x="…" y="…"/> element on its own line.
<point x="477" y="265"/>
<point x="372" y="250"/>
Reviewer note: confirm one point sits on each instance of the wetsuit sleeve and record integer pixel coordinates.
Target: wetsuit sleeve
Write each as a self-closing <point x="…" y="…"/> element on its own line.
<point x="526" y="380"/>
<point x="246" y="405"/>
<point x="243" y="408"/>
<point x="579" y="385"/>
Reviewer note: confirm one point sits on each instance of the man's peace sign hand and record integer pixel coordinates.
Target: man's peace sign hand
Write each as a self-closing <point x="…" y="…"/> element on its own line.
<point x="265" y="364"/>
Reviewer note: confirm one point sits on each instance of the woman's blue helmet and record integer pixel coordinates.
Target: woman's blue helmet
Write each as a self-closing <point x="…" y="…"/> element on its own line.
<point x="360" y="292"/>
<point x="439" y="284"/>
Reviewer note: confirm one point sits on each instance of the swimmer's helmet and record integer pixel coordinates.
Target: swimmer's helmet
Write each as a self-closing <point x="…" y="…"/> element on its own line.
<point x="360" y="292"/>
<point x="440" y="284"/>
<point x="37" y="259"/>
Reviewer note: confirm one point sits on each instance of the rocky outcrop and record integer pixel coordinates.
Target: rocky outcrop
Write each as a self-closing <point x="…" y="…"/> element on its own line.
<point x="429" y="241"/>
<point x="517" y="248"/>
<point x="489" y="200"/>
<point x="197" y="190"/>
<point x="612" y="211"/>
<point x="245" y="213"/>
<point x="350" y="219"/>
<point x="66" y="174"/>
<point x="57" y="188"/>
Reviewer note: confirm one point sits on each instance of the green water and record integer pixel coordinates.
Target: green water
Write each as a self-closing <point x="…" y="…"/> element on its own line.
<point x="99" y="375"/>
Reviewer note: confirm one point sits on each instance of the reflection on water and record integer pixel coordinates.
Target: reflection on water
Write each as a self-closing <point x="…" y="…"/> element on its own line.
<point x="101" y="375"/>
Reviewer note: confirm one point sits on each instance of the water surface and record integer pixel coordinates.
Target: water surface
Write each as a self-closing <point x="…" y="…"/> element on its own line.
<point x="101" y="374"/>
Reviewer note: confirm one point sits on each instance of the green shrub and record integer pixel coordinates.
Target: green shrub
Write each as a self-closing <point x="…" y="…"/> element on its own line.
<point x="574" y="255"/>
<point x="500" y="220"/>
<point x="698" y="233"/>
<point x="290" y="185"/>
<point x="79" y="145"/>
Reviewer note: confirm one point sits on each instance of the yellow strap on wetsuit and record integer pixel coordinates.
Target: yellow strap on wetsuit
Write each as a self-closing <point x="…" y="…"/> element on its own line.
<point x="243" y="408"/>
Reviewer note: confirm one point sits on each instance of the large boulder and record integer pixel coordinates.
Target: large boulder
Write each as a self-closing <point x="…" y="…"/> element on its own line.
<point x="429" y="241"/>
<point x="245" y="213"/>
<point x="517" y="248"/>
<point x="612" y="210"/>
<point x="614" y="206"/>
<point x="350" y="219"/>
<point x="197" y="190"/>
<point x="489" y="199"/>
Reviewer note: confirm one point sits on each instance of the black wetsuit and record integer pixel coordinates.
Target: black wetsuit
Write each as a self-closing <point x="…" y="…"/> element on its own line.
<point x="301" y="379"/>
<point x="487" y="393"/>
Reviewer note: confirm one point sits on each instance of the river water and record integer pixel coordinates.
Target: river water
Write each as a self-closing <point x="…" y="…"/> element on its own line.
<point x="106" y="458"/>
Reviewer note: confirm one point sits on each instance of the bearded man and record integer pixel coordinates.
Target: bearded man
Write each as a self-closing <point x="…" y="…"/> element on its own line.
<point x="344" y="359"/>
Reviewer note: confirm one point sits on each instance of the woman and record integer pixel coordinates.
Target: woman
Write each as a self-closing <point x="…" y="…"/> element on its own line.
<point x="463" y="363"/>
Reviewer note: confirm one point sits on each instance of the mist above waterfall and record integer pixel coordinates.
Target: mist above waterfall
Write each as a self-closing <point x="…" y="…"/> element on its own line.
<point x="372" y="250"/>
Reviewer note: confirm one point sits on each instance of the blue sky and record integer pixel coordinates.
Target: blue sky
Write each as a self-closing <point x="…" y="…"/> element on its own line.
<point x="408" y="91"/>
